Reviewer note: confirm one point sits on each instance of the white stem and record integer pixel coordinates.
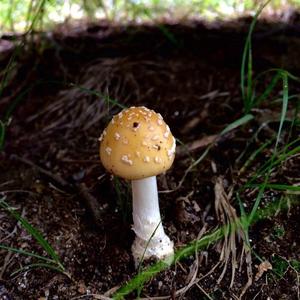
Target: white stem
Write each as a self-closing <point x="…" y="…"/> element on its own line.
<point x="145" y="208"/>
<point x="147" y="223"/>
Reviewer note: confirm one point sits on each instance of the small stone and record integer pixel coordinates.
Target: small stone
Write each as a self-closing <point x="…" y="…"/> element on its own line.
<point x="81" y="288"/>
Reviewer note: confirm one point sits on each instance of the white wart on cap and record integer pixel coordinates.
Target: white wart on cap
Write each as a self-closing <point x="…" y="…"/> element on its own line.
<point x="136" y="144"/>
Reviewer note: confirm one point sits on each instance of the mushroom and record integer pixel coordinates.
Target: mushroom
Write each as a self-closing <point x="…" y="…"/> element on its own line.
<point x="138" y="145"/>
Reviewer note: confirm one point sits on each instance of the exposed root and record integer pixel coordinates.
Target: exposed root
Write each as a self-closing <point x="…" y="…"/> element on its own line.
<point x="233" y="233"/>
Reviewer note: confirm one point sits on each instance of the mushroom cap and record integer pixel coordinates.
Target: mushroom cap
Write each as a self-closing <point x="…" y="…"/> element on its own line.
<point x="136" y="144"/>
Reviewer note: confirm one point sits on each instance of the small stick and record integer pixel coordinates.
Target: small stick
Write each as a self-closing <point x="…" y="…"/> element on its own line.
<point x="184" y="150"/>
<point x="90" y="202"/>
<point x="54" y="177"/>
<point x="87" y="199"/>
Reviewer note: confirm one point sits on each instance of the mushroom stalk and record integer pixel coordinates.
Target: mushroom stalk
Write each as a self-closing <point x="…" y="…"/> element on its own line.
<point x="151" y="239"/>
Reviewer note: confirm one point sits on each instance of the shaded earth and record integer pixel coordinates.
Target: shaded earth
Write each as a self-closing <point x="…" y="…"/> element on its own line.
<point x="63" y="88"/>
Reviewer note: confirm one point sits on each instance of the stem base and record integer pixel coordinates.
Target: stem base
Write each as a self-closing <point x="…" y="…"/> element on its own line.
<point x="161" y="248"/>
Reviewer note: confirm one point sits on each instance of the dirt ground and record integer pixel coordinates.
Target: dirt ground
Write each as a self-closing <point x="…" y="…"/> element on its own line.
<point x="51" y="173"/>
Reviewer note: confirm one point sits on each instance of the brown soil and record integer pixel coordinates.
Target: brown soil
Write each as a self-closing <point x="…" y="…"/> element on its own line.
<point x="50" y="170"/>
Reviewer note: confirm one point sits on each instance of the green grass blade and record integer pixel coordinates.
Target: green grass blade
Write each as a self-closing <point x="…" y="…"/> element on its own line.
<point x="147" y="245"/>
<point x="271" y="163"/>
<point x="23" y="252"/>
<point x="2" y="135"/>
<point x="12" y="106"/>
<point x="243" y="220"/>
<point x="98" y="94"/>
<point x="169" y="35"/>
<point x="249" y="77"/>
<point x="8" y="69"/>
<point x="140" y="288"/>
<point x="164" y="30"/>
<point x="254" y="155"/>
<point x="277" y="186"/>
<point x="34" y="232"/>
<point x="237" y="123"/>
<point x="36" y="265"/>
<point x="277" y="70"/>
<point x="268" y="90"/>
<point x="285" y="100"/>
<point x="294" y="120"/>
<point x="247" y="60"/>
<point x="34" y="18"/>
<point x="257" y="200"/>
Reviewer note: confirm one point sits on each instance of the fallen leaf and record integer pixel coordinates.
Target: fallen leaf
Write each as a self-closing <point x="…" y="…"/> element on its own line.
<point x="262" y="268"/>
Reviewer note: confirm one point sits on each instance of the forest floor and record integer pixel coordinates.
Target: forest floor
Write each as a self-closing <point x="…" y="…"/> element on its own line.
<point x="62" y="91"/>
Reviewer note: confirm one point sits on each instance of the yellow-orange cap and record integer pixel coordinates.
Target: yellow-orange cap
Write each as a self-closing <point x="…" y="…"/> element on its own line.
<point x="136" y="144"/>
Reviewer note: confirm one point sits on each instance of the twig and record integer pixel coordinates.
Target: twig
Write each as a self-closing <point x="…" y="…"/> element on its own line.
<point x="87" y="199"/>
<point x="59" y="180"/>
<point x="184" y="150"/>
<point x="90" y="202"/>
